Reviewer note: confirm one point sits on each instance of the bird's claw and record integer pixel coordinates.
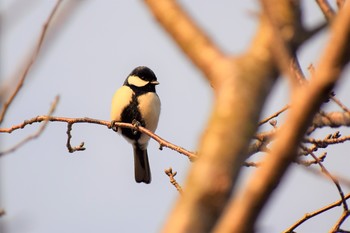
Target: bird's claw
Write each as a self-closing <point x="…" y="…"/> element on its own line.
<point x="136" y="124"/>
<point x="114" y="126"/>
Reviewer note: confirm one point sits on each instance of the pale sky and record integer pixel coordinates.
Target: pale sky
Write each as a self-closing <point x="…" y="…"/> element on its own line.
<point x="46" y="189"/>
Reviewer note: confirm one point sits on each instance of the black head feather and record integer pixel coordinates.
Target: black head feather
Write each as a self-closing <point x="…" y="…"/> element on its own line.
<point x="144" y="73"/>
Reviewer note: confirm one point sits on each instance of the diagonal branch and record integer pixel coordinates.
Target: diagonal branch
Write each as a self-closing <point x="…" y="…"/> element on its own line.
<point x="246" y="207"/>
<point x="329" y="175"/>
<point x="31" y="61"/>
<point x="326" y="8"/>
<point x="247" y="77"/>
<point x="189" y="37"/>
<point x="315" y="213"/>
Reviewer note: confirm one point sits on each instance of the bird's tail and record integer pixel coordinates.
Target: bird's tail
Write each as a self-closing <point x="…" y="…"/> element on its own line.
<point x="142" y="170"/>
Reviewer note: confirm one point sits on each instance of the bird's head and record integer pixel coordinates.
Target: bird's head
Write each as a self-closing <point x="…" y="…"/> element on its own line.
<point x="141" y="76"/>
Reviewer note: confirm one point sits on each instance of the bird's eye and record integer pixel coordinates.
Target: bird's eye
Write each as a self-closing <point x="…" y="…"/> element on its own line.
<point x="137" y="81"/>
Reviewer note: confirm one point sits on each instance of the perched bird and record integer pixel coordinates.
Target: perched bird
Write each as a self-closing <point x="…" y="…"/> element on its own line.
<point x="137" y="102"/>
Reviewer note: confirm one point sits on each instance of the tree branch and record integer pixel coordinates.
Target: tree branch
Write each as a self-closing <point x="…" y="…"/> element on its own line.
<point x="246" y="207"/>
<point x="315" y="213"/>
<point x="36" y="134"/>
<point x="326" y="8"/>
<point x="248" y="77"/>
<point x="171" y="175"/>
<point x="71" y="121"/>
<point x="30" y="62"/>
<point x="329" y="175"/>
<point x="190" y="37"/>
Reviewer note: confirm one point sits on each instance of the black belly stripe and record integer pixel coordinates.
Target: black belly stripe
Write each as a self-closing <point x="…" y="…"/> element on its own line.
<point x="130" y="113"/>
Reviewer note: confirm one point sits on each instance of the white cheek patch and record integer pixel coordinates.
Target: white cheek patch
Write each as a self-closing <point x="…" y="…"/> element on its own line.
<point x="137" y="81"/>
<point x="121" y="99"/>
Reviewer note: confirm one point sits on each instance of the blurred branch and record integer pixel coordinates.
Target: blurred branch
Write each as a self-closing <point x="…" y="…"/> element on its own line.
<point x="345" y="181"/>
<point x="190" y="37"/>
<point x="331" y="119"/>
<point x="2" y="212"/>
<point x="326" y="8"/>
<point x="113" y="125"/>
<point x="340" y="3"/>
<point x="247" y="205"/>
<point x="285" y="21"/>
<point x="30" y="62"/>
<point x="250" y="77"/>
<point x="311" y="69"/>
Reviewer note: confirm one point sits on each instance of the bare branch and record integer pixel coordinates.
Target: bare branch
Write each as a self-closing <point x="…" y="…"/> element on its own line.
<point x="35" y="135"/>
<point x="31" y="61"/>
<point x="340" y="104"/>
<point x="247" y="205"/>
<point x="320" y="158"/>
<point x="249" y="77"/>
<point x="331" y="119"/>
<point x="71" y="149"/>
<point x="285" y="31"/>
<point x="340" y="3"/>
<point x="276" y="114"/>
<point x="315" y="213"/>
<point x="71" y="121"/>
<point x="326" y="9"/>
<point x="323" y="143"/>
<point x="171" y="175"/>
<point x="189" y="36"/>
<point x="311" y="69"/>
<point x="329" y="175"/>
<point x="336" y="227"/>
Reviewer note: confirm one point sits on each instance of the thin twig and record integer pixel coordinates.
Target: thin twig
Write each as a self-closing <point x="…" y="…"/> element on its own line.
<point x="276" y="114"/>
<point x="336" y="227"/>
<point x="36" y="134"/>
<point x="315" y="213"/>
<point x="311" y="69"/>
<point x="171" y="175"/>
<point x="345" y="181"/>
<point x="323" y="143"/>
<point x="308" y="163"/>
<point x="31" y="61"/>
<point x="334" y="180"/>
<point x="340" y="104"/>
<point x="72" y="149"/>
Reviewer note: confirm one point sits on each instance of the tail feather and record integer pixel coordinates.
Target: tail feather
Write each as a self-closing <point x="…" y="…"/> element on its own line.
<point x="142" y="170"/>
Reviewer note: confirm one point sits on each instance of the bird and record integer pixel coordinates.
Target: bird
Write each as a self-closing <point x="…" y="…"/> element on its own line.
<point x="137" y="102"/>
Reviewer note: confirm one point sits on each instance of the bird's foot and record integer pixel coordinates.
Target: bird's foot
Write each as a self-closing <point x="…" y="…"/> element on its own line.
<point x="114" y="127"/>
<point x="136" y="124"/>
